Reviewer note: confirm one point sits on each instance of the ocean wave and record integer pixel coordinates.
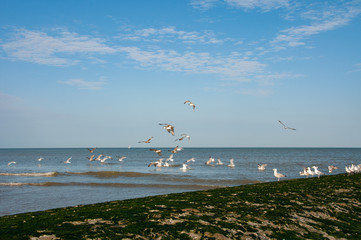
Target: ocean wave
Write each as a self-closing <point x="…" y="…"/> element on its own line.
<point x="47" y="174"/>
<point x="113" y="174"/>
<point x="120" y="185"/>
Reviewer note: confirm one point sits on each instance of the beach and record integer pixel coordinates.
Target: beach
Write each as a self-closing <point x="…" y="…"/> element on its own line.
<point x="328" y="207"/>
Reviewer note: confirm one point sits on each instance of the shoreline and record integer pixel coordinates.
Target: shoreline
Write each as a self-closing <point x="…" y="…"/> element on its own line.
<point x="328" y="207"/>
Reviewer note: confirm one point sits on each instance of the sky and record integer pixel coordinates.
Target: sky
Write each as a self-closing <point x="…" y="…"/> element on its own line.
<point x="106" y="73"/>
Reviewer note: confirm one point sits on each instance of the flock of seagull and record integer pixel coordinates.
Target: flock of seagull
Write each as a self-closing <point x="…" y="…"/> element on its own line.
<point x="307" y="171"/>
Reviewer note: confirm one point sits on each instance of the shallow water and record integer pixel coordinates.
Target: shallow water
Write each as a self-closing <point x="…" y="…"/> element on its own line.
<point x="30" y="185"/>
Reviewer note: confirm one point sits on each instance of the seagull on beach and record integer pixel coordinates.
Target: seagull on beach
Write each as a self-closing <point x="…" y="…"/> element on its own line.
<point x="121" y="158"/>
<point x="168" y="127"/>
<point x="146" y="141"/>
<point x="261" y="167"/>
<point x="157" y="151"/>
<point x="12" y="162"/>
<point x="304" y="173"/>
<point x="310" y="172"/>
<point x="277" y="174"/>
<point x="190" y="104"/>
<point x="68" y="160"/>
<point x="231" y="163"/>
<point x="286" y="127"/>
<point x="316" y="171"/>
<point x="331" y="168"/>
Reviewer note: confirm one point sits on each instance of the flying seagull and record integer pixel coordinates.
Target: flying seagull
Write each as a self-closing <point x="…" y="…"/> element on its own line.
<point x="12" y="162"/>
<point x="231" y="163"/>
<point x="157" y="151"/>
<point x="146" y="141"/>
<point x="91" y="150"/>
<point x="91" y="158"/>
<point x="40" y="159"/>
<point x="121" y="158"/>
<point x="286" y="127"/>
<point x="190" y="104"/>
<point x="168" y="127"/>
<point x="68" y="160"/>
<point x="261" y="167"/>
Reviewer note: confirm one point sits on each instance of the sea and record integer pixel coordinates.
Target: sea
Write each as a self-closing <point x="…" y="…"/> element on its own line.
<point x="31" y="185"/>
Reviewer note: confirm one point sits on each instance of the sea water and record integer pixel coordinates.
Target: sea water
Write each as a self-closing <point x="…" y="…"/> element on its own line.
<point x="32" y="185"/>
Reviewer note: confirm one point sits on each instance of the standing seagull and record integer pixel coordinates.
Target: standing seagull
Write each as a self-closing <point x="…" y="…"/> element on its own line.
<point x="190" y="104"/>
<point x="278" y="175"/>
<point x="285" y="127"/>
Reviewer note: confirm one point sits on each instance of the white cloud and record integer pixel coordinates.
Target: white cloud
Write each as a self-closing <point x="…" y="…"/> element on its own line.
<point x="265" y="5"/>
<point x="232" y="66"/>
<point x="325" y="20"/>
<point x="170" y="34"/>
<point x="82" y="84"/>
<point x="39" y="47"/>
<point x="254" y="92"/>
<point x="203" y="4"/>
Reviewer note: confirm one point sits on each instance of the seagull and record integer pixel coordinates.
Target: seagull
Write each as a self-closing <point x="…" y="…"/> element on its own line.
<point x="190" y="160"/>
<point x="278" y="175"/>
<point x="186" y="136"/>
<point x="104" y="159"/>
<point x="12" y="162"/>
<point x="331" y="168"/>
<point x="310" y="172"/>
<point x="304" y="173"/>
<point x="168" y="127"/>
<point x="176" y="149"/>
<point x="121" y="158"/>
<point x="262" y="167"/>
<point x="184" y="167"/>
<point x="316" y="171"/>
<point x="68" y="160"/>
<point x="146" y="141"/>
<point x="98" y="158"/>
<point x="157" y="151"/>
<point x="91" y="150"/>
<point x="190" y="104"/>
<point x="231" y="163"/>
<point x="157" y="163"/>
<point x="40" y="159"/>
<point x="210" y="160"/>
<point x="219" y="162"/>
<point x="285" y="127"/>
<point x="170" y="158"/>
<point x="91" y="158"/>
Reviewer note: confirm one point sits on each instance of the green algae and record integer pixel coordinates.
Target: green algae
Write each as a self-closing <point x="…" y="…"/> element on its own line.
<point x="328" y="207"/>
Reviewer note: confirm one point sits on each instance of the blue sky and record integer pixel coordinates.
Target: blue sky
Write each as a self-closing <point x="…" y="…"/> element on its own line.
<point x="105" y="73"/>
